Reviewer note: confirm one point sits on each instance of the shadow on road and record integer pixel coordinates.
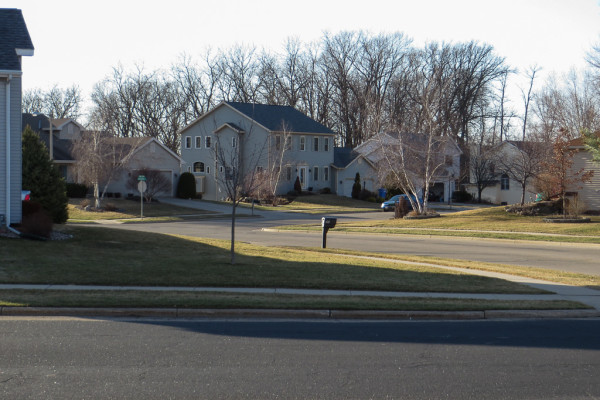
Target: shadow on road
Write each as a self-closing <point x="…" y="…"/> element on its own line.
<point x="567" y="334"/>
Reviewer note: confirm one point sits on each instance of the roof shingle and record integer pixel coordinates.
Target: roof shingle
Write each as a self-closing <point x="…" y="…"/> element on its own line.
<point x="13" y="35"/>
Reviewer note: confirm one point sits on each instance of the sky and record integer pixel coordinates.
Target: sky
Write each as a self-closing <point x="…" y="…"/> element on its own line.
<point x="79" y="42"/>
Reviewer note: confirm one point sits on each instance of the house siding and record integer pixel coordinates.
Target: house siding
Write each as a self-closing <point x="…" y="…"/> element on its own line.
<point x="254" y="142"/>
<point x="15" y="149"/>
<point x="588" y="192"/>
<point x="159" y="159"/>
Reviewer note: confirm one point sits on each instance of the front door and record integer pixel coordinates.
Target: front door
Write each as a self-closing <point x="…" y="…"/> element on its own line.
<point x="303" y="173"/>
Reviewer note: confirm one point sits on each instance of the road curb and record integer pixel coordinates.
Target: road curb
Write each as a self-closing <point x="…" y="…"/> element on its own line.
<point x="187" y="313"/>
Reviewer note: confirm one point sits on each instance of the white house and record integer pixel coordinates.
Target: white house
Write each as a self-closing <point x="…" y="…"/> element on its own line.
<point x="253" y="133"/>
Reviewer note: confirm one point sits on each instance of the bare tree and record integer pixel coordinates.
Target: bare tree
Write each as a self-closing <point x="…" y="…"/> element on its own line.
<point x="527" y="98"/>
<point x="156" y="182"/>
<point x="524" y="163"/>
<point x="100" y="157"/>
<point x="240" y="158"/>
<point x="55" y="103"/>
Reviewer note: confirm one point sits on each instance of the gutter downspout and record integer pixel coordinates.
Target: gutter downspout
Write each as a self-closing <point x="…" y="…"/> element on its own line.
<point x="8" y="161"/>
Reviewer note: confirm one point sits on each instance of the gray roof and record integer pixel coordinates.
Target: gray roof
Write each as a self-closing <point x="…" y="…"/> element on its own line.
<point x="343" y="156"/>
<point x="278" y="118"/>
<point x="13" y="35"/>
<point x="39" y="124"/>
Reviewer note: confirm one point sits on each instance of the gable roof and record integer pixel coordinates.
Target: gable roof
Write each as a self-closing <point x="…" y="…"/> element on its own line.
<point x="279" y="118"/>
<point x="272" y="118"/>
<point x="343" y="156"/>
<point x="14" y="39"/>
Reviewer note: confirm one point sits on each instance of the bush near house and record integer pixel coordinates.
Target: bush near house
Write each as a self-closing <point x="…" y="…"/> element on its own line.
<point x="186" y="187"/>
<point x="76" y="190"/>
<point x="42" y="178"/>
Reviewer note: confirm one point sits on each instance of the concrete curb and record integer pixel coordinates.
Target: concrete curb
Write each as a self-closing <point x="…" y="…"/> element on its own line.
<point x="187" y="313"/>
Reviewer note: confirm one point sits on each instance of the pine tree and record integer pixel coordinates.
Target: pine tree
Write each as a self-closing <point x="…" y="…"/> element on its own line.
<point x="42" y="178"/>
<point x="357" y="187"/>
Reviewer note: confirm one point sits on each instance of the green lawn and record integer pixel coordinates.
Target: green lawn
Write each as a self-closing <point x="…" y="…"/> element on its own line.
<point x="102" y="256"/>
<point x="494" y="221"/>
<point x="322" y="203"/>
<point x="128" y="209"/>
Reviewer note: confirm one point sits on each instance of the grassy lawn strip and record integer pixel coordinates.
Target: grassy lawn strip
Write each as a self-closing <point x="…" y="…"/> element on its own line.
<point x="102" y="256"/>
<point x="495" y="220"/>
<point x="129" y="209"/>
<point x="321" y="203"/>
<point x="567" y="278"/>
<point x="56" y="298"/>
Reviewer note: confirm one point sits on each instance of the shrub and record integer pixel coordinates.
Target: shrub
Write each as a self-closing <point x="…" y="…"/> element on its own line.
<point x="35" y="220"/>
<point x="461" y="196"/>
<point x="186" y="187"/>
<point x="365" y="194"/>
<point x="110" y="207"/>
<point x="298" y="185"/>
<point x="41" y="176"/>
<point x="372" y="199"/>
<point x="325" y="190"/>
<point x="76" y="190"/>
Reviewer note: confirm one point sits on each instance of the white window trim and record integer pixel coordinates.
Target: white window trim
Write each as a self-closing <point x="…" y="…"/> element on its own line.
<point x="326" y="144"/>
<point x="188" y="142"/>
<point x="325" y="174"/>
<point x="207" y="142"/>
<point x="234" y="142"/>
<point x="196" y="142"/>
<point x="315" y="174"/>
<point x="302" y="143"/>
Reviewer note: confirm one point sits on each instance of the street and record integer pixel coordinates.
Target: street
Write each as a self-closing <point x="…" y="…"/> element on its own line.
<point x="558" y="256"/>
<point x="56" y="358"/>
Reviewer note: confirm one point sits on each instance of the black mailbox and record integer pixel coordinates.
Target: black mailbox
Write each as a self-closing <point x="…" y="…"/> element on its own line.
<point x="328" y="222"/>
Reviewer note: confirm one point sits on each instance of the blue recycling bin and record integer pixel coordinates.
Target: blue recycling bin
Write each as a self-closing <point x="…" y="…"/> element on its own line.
<point x="382" y="192"/>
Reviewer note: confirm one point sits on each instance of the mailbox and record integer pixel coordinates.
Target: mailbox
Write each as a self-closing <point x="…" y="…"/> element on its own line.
<point x="328" y="222"/>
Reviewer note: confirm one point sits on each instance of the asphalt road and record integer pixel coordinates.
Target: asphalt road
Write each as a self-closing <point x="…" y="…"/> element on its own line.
<point x="46" y="358"/>
<point x="574" y="258"/>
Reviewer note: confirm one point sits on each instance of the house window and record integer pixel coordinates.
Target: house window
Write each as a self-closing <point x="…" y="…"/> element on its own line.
<point x="199" y="166"/>
<point x="188" y="142"/>
<point x="326" y="174"/>
<point x="326" y="144"/>
<point x="229" y="173"/>
<point x="315" y="174"/>
<point x="221" y="169"/>
<point x="208" y="169"/>
<point x="302" y="143"/>
<point x="277" y="142"/>
<point x="504" y="182"/>
<point x="316" y="143"/>
<point x="189" y="169"/>
<point x="198" y="142"/>
<point x="233" y="142"/>
<point x="288" y="142"/>
<point x="288" y="173"/>
<point x="207" y="142"/>
<point x="449" y="161"/>
<point x="259" y="169"/>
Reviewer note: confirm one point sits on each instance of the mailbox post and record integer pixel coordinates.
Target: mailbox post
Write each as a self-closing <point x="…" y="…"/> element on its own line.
<point x="326" y="224"/>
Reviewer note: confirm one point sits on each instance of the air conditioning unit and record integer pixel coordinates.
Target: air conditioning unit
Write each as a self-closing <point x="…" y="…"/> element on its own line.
<point x="200" y="184"/>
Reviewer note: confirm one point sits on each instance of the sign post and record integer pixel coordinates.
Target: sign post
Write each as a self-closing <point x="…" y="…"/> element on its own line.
<point x="142" y="186"/>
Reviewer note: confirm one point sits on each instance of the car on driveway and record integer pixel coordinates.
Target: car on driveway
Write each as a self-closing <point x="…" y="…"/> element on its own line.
<point x="390" y="204"/>
<point x="25" y="195"/>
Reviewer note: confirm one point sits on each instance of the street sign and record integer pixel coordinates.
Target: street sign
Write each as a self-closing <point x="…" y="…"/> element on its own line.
<point x="141" y="178"/>
<point x="142" y="186"/>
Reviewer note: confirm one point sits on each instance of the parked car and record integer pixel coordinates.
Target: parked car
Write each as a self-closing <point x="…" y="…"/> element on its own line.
<point x="25" y="195"/>
<point x="390" y="204"/>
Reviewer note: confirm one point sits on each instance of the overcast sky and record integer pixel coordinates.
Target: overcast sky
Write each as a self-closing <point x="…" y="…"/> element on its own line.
<point x="78" y="42"/>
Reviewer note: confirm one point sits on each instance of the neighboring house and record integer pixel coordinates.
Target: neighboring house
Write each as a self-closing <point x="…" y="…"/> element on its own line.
<point x="503" y="189"/>
<point x="346" y="163"/>
<point x="14" y="43"/>
<point x="587" y="193"/>
<point x="369" y="159"/>
<point x="149" y="153"/>
<point x="256" y="132"/>
<point x="64" y="132"/>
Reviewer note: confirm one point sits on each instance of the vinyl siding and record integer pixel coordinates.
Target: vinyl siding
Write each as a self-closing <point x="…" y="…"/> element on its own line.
<point x="588" y="192"/>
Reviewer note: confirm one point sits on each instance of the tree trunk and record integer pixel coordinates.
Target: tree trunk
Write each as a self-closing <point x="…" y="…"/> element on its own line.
<point x="233" y="207"/>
